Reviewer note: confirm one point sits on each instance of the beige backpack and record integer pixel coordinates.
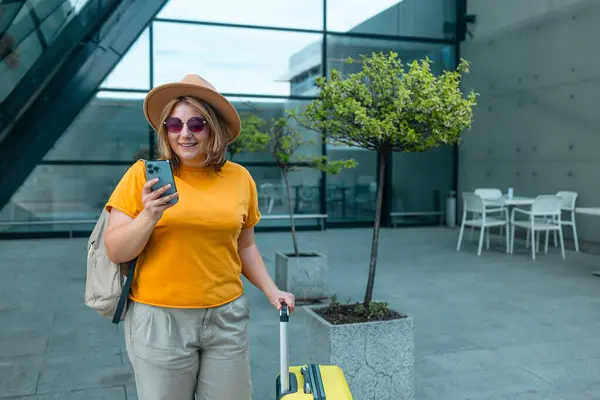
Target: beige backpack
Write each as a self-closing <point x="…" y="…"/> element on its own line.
<point x="106" y="288"/>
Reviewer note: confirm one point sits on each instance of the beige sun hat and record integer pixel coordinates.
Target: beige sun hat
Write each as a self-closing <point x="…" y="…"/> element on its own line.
<point x="194" y="86"/>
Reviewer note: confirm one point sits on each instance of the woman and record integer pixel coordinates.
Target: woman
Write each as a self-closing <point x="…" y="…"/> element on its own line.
<point x="186" y="328"/>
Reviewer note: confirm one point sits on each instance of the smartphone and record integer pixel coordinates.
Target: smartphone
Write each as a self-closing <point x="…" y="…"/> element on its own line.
<point x="162" y="170"/>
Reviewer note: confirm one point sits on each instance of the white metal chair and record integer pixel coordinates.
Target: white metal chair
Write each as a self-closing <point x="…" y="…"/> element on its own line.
<point x="545" y="215"/>
<point x="567" y="204"/>
<point x="271" y="193"/>
<point x="489" y="194"/>
<point x="474" y="204"/>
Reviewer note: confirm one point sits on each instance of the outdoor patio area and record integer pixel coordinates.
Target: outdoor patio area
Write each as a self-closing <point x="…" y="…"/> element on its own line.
<point x="494" y="327"/>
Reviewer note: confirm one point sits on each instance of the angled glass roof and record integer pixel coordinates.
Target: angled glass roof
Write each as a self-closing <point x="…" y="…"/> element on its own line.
<point x="27" y="28"/>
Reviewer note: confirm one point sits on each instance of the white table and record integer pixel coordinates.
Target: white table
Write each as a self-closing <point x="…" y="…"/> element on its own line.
<point x="514" y="201"/>
<point x="508" y="203"/>
<point x="589" y="211"/>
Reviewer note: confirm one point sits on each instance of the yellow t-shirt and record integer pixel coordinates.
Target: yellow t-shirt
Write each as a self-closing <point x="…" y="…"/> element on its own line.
<point x="191" y="259"/>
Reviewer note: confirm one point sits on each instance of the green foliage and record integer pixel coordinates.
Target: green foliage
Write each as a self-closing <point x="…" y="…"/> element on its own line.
<point x="386" y="107"/>
<point x="332" y="167"/>
<point x="334" y="306"/>
<point x="252" y="135"/>
<point x="285" y="142"/>
<point x="375" y="310"/>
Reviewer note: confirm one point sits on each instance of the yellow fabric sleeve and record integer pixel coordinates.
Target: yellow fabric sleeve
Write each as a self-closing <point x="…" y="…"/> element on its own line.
<point x="127" y="196"/>
<point x="253" y="216"/>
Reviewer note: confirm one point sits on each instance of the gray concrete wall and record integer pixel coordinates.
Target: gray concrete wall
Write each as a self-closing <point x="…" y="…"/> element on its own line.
<point x="494" y="17"/>
<point x="536" y="125"/>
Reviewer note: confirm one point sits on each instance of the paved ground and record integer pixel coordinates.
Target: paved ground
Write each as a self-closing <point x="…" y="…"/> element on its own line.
<point x="494" y="327"/>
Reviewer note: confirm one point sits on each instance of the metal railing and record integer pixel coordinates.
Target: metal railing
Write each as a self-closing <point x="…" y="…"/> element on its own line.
<point x="51" y="222"/>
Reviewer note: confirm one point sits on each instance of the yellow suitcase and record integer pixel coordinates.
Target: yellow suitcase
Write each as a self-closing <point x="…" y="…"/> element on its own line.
<point x="310" y="381"/>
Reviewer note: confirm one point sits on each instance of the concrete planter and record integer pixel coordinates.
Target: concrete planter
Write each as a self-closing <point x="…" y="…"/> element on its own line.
<point x="377" y="357"/>
<point x="305" y="276"/>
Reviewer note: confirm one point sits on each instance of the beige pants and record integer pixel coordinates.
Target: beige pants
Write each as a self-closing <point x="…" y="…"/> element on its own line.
<point x="177" y="352"/>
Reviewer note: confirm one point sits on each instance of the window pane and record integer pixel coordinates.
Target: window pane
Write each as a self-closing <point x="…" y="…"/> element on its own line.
<point x="111" y="127"/>
<point x="340" y="48"/>
<point x="22" y="25"/>
<point x="17" y="63"/>
<point x="61" y="16"/>
<point x="270" y="110"/>
<point x="51" y="25"/>
<point x="306" y="14"/>
<point x="55" y="16"/>
<point x="44" y="8"/>
<point x="133" y="70"/>
<point x="63" y="192"/>
<point x="272" y="195"/>
<point x="8" y="11"/>
<point x="351" y="194"/>
<point x="420" y="184"/>
<point x="423" y="18"/>
<point x="20" y="45"/>
<point x="234" y="60"/>
<point x="75" y="192"/>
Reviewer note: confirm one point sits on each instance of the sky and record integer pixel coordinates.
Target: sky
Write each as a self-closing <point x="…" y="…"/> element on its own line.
<point x="234" y="60"/>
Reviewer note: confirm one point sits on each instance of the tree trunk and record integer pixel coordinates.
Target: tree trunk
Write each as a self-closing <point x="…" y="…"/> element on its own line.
<point x="291" y="209"/>
<point x="375" y="242"/>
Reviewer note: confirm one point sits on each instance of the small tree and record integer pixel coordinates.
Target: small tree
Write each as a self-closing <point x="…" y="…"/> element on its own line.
<point x="386" y="109"/>
<point x="285" y="141"/>
<point x="252" y="136"/>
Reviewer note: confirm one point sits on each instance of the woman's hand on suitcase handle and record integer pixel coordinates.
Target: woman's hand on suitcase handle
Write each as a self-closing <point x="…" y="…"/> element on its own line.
<point x="279" y="296"/>
<point x="154" y="205"/>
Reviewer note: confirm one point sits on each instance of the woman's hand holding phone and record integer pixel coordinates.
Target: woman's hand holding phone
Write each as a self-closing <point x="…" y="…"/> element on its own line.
<point x="154" y="205"/>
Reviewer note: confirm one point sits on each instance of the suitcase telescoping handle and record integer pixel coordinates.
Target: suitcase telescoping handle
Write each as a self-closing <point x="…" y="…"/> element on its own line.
<point x="312" y="377"/>
<point x="284" y="317"/>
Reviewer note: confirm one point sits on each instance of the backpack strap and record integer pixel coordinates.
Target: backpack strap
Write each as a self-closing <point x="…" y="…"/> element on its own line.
<point x="124" y="293"/>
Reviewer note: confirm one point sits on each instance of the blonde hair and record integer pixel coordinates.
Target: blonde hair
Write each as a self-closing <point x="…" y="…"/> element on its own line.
<point x="214" y="149"/>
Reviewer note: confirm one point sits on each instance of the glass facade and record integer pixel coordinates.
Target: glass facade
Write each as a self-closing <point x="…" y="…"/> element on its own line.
<point x="27" y="28"/>
<point x="263" y="56"/>
<point x="111" y="128"/>
<point x="416" y="18"/>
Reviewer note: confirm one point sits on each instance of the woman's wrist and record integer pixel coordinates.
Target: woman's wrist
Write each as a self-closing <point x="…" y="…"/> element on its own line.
<point x="271" y="291"/>
<point x="146" y="217"/>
